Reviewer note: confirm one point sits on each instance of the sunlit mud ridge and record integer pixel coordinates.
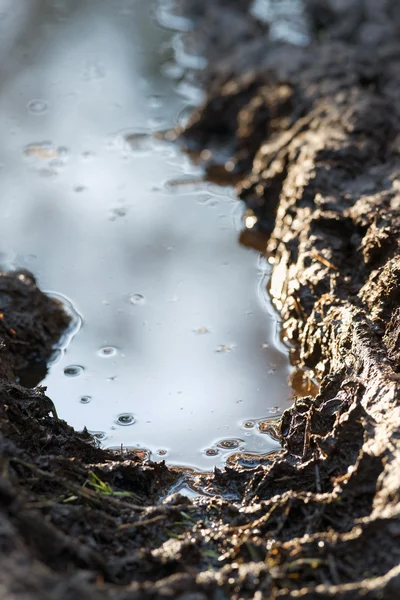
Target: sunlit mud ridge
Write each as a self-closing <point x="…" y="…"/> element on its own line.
<point x="314" y="137"/>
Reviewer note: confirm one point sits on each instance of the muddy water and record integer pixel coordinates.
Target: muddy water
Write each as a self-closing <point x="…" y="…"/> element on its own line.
<point x="175" y="347"/>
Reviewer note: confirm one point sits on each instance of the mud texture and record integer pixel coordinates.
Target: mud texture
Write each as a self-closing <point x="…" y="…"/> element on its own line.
<point x="313" y="136"/>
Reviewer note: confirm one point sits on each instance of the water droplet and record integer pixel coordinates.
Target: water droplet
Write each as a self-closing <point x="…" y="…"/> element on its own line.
<point x="162" y="452"/>
<point x="211" y="452"/>
<point x="125" y="419"/>
<point x="73" y="371"/>
<point x="85" y="399"/>
<point x="230" y="444"/>
<point x="274" y="410"/>
<point x="38" y="107"/>
<point x="137" y="299"/>
<point x="108" y="351"/>
<point x="248" y="424"/>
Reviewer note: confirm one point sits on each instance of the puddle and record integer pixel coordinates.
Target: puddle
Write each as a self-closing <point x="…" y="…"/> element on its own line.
<point x="175" y="346"/>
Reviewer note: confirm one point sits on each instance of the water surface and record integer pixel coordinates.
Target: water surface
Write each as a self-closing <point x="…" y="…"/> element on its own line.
<point x="178" y="347"/>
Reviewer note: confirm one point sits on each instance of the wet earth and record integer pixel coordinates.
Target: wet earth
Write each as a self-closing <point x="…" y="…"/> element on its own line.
<point x="174" y="346"/>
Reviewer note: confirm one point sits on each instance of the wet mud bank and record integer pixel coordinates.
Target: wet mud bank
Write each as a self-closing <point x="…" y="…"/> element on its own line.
<point x="312" y="134"/>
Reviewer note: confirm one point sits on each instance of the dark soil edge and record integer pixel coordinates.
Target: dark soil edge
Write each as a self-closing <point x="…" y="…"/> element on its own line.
<point x="314" y="135"/>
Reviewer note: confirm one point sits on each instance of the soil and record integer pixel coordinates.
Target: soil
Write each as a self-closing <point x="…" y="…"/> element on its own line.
<point x="313" y="136"/>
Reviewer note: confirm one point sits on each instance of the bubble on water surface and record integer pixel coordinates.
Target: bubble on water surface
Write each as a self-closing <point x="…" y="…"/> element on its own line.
<point x="211" y="452"/>
<point x="137" y="299"/>
<point x="230" y="444"/>
<point x="162" y="452"/>
<point x="108" y="351"/>
<point x="85" y="399"/>
<point x="248" y="424"/>
<point x="125" y="419"/>
<point x="37" y="107"/>
<point x="73" y="371"/>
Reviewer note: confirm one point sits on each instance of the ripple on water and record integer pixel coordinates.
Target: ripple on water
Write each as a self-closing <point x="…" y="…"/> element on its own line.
<point x="38" y="107"/>
<point x="137" y="299"/>
<point x="73" y="371"/>
<point x="85" y="399"/>
<point x="107" y="351"/>
<point x="125" y="419"/>
<point x="230" y="444"/>
<point x="211" y="452"/>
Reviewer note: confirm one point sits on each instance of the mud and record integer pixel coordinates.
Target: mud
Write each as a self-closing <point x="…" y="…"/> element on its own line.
<point x="313" y="135"/>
